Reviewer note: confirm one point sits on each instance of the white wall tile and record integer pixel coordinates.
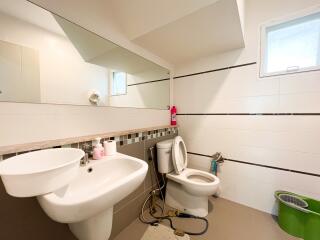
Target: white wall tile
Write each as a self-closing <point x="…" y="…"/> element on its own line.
<point x="300" y="102"/>
<point x="24" y="123"/>
<point x="289" y="142"/>
<point x="225" y="91"/>
<point x="277" y="145"/>
<point x="255" y="186"/>
<point x="307" y="82"/>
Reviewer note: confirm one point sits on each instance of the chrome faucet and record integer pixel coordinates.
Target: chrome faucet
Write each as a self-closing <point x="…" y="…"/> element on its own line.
<point x="87" y="150"/>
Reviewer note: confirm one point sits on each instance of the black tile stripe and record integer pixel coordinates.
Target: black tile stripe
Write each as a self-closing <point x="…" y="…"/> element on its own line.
<point x="248" y="114"/>
<point x="197" y="73"/>
<point x="216" y="70"/>
<point x="160" y="80"/>
<point x="260" y="165"/>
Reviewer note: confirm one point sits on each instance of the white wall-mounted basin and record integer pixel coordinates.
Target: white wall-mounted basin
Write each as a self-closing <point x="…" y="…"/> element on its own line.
<point x="40" y="172"/>
<point x="86" y="204"/>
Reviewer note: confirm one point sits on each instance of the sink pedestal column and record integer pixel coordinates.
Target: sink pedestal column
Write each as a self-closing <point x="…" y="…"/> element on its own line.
<point x="97" y="227"/>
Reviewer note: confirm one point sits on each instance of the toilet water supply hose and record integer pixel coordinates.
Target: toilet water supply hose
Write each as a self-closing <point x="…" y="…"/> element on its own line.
<point x="152" y="200"/>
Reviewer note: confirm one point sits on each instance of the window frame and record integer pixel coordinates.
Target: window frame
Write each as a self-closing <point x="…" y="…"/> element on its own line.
<point x="111" y="83"/>
<point x="263" y="43"/>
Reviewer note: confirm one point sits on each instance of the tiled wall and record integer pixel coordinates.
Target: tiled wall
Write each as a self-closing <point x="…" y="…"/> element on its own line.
<point x="23" y="218"/>
<point x="266" y="128"/>
<point x="26" y="123"/>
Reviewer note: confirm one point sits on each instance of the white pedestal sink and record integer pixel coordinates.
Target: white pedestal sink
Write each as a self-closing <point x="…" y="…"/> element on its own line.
<point x="40" y="172"/>
<point x="86" y="204"/>
<point x="82" y="197"/>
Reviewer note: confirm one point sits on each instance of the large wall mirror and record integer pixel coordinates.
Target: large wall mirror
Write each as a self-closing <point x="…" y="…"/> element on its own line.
<point x="45" y="58"/>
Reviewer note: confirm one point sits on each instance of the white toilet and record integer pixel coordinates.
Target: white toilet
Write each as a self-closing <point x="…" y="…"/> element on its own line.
<point x="187" y="189"/>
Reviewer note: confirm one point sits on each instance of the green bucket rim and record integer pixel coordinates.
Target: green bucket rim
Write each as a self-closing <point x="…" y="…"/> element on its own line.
<point x="277" y="193"/>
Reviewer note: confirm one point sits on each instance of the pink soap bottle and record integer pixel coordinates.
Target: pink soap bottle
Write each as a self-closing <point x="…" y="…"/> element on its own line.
<point x="98" y="151"/>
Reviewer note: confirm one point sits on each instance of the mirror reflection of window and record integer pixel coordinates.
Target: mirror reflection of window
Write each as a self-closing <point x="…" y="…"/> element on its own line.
<point x="119" y="83"/>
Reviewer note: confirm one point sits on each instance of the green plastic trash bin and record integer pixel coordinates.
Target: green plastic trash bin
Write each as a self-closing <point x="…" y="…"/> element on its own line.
<point x="299" y="215"/>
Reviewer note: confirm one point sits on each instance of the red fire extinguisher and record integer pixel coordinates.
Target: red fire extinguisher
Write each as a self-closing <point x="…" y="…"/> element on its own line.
<point x="173" y="116"/>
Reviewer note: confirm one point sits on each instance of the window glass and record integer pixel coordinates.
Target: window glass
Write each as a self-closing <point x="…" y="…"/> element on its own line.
<point x="292" y="46"/>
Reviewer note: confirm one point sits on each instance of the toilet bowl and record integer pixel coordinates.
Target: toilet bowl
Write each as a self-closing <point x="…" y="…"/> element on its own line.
<point x="187" y="189"/>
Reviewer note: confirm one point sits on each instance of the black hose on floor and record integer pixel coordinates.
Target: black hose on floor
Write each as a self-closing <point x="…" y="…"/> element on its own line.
<point x="157" y="219"/>
<point x="183" y="215"/>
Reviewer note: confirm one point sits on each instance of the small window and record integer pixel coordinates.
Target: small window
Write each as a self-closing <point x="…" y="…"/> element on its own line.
<point x="119" y="83"/>
<point x="291" y="46"/>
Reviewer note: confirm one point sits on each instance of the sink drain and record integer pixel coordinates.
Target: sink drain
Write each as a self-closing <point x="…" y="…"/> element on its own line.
<point x="90" y="170"/>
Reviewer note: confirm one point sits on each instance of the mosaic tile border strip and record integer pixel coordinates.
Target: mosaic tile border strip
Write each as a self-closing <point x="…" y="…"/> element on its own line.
<point x="141" y="136"/>
<point x="65" y="141"/>
<point x="125" y="139"/>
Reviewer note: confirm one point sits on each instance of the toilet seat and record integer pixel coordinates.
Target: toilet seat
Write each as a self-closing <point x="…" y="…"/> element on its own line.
<point x="194" y="176"/>
<point x="179" y="155"/>
<point x="196" y="182"/>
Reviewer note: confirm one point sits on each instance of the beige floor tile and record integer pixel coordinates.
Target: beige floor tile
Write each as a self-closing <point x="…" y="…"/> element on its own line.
<point x="227" y="221"/>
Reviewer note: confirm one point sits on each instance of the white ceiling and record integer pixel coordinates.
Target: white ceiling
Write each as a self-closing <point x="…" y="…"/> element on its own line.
<point x="180" y="30"/>
<point x="175" y="30"/>
<point x="138" y="17"/>
<point x="213" y="29"/>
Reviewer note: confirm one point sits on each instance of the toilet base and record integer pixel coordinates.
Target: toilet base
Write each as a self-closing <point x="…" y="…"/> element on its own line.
<point x="95" y="228"/>
<point x="177" y="197"/>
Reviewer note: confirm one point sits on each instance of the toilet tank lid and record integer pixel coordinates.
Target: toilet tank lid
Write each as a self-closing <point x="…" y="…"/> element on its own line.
<point x="165" y="144"/>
